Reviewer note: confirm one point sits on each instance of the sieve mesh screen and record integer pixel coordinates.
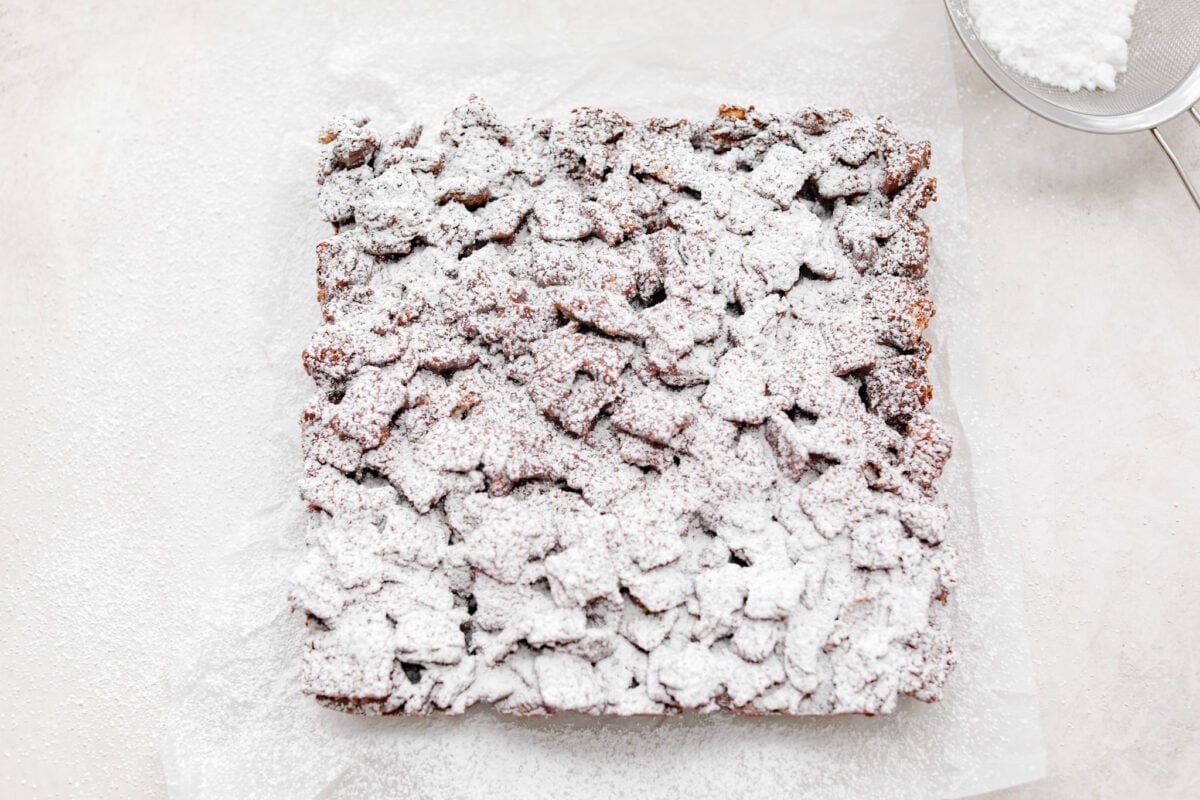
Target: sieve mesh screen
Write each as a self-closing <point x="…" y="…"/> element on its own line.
<point x="1163" y="51"/>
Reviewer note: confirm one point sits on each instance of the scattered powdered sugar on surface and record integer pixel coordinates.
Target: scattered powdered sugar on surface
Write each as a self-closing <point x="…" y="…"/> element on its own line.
<point x="157" y="514"/>
<point x="1073" y="44"/>
<point x="624" y="418"/>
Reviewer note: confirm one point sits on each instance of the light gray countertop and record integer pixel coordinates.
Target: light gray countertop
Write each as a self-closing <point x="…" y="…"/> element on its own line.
<point x="1082" y="405"/>
<point x="1078" y="381"/>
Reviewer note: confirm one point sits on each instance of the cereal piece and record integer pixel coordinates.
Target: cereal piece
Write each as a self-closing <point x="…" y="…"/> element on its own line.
<point x="660" y="589"/>
<point x="340" y="192"/>
<point x="787" y="444"/>
<point x="720" y="593"/>
<point x="842" y="181"/>
<point x="733" y="127"/>
<point x="925" y="521"/>
<point x="620" y="209"/>
<point x="324" y="445"/>
<point x="644" y="629"/>
<point x="852" y="143"/>
<point x="747" y="685"/>
<point x="609" y="313"/>
<point x="836" y="500"/>
<point x="898" y="388"/>
<point x="906" y="253"/>
<point x="560" y="216"/>
<point x="860" y="232"/>
<point x="351" y="143"/>
<point x="773" y="592"/>
<point x="903" y="161"/>
<point x="568" y="683"/>
<point x="502" y="217"/>
<point x="738" y="390"/>
<point x="875" y="543"/>
<point x="582" y="573"/>
<point x="682" y="673"/>
<point x="782" y="244"/>
<point x="590" y="139"/>
<point x="655" y="417"/>
<point x="341" y="268"/>
<point x="372" y="397"/>
<point x="755" y="639"/>
<point x="469" y="172"/>
<point x="623" y="418"/>
<point x="782" y="174"/>
<point x="351" y="664"/>
<point x="851" y="343"/>
<point x="661" y="149"/>
<point x="815" y="122"/>
<point x="575" y="378"/>
<point x="924" y="453"/>
<point x="422" y="486"/>
<point x="645" y="454"/>
<point x="899" y="312"/>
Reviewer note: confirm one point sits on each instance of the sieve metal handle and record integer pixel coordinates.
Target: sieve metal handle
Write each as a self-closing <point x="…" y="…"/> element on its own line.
<point x="1187" y="181"/>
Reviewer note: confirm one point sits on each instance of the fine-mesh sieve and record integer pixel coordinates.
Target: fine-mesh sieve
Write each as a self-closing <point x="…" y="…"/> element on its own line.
<point x="1161" y="82"/>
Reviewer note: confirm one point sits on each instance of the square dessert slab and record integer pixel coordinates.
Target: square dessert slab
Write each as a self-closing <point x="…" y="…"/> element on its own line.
<point x="623" y="418"/>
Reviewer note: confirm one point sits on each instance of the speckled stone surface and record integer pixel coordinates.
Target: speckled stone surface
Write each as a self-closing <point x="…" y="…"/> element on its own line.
<point x="1074" y="321"/>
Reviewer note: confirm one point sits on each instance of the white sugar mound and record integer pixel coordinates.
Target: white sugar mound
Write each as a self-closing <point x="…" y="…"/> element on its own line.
<point x="1073" y="44"/>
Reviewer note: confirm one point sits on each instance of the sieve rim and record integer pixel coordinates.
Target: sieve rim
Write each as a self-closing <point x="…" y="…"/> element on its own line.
<point x="1175" y="102"/>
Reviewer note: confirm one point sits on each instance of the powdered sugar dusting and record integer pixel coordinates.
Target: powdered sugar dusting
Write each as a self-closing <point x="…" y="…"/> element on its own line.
<point x="623" y="418"/>
<point x="1073" y="44"/>
<point x="181" y="588"/>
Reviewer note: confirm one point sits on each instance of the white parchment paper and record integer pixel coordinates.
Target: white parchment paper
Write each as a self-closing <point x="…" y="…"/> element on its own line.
<point x="238" y="726"/>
